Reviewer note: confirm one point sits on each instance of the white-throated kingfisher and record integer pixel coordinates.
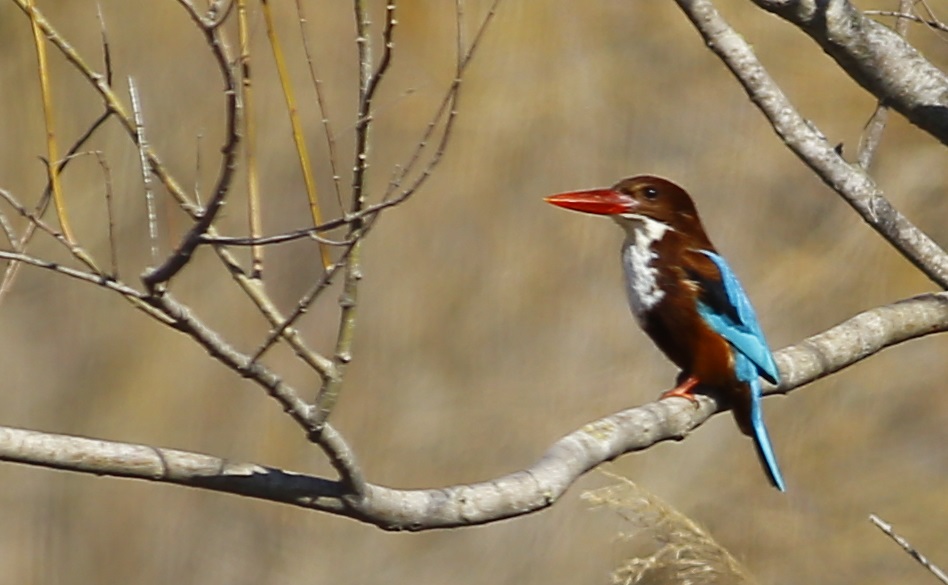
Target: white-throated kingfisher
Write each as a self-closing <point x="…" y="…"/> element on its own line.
<point x="687" y="299"/>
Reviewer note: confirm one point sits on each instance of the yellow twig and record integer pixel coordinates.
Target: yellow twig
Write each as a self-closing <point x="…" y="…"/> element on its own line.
<point x="100" y="83"/>
<point x="298" y="138"/>
<point x="52" y="149"/>
<point x="250" y="141"/>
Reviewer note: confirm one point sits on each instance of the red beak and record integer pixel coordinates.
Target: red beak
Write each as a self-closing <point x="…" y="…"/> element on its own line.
<point x="597" y="201"/>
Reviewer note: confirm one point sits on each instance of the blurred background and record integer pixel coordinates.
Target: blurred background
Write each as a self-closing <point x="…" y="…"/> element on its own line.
<point x="491" y="323"/>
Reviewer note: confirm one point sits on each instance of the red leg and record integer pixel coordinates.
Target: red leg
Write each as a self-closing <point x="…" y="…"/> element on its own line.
<point x="683" y="390"/>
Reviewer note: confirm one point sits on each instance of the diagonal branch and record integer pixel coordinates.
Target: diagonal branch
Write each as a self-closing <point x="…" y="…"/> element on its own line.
<point x="810" y="146"/>
<point x="299" y="140"/>
<point x="872" y="135"/>
<point x="519" y="493"/>
<point x="913" y="552"/>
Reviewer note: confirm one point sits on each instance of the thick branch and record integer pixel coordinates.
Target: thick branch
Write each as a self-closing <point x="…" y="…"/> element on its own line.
<point x="876" y="57"/>
<point x="849" y="181"/>
<point x="516" y="494"/>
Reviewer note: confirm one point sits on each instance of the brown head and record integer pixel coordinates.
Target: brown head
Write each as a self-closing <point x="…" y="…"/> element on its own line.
<point x="635" y="200"/>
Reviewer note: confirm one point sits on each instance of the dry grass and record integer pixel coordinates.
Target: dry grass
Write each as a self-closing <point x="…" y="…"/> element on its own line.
<point x="679" y="550"/>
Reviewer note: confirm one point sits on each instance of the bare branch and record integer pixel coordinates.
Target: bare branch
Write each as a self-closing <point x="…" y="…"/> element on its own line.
<point x="90" y="277"/>
<point x="142" y="141"/>
<point x="277" y="239"/>
<point x="299" y="140"/>
<point x="192" y="239"/>
<point x="860" y="337"/>
<point x="935" y="24"/>
<point x="52" y="149"/>
<point x="516" y="494"/>
<point x="301" y="307"/>
<point x="872" y="135"/>
<point x="250" y="140"/>
<point x="9" y="275"/>
<point x="875" y="57"/>
<point x="849" y="181"/>
<point x="323" y="104"/>
<point x="396" y="192"/>
<point x="302" y="413"/>
<point x="77" y="251"/>
<point x="907" y="547"/>
<point x="110" y="212"/>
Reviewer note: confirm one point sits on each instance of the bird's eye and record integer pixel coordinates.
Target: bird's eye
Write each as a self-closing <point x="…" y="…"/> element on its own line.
<point x="650" y="192"/>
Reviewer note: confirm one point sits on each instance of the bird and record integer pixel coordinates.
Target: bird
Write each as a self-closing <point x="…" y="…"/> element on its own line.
<point x="688" y="300"/>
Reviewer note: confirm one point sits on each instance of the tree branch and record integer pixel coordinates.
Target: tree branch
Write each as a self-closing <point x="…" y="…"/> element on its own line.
<point x="876" y="57"/>
<point x="179" y="258"/>
<point x="516" y="494"/>
<point x="809" y="144"/>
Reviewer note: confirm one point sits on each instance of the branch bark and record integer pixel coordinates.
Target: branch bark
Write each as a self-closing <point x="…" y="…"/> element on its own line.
<point x="516" y="494"/>
<point x="851" y="182"/>
<point x="876" y="57"/>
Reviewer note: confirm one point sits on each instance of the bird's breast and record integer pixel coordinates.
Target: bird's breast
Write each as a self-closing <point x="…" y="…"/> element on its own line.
<point x="641" y="272"/>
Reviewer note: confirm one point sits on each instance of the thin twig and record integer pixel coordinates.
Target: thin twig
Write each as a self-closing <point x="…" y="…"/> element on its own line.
<point x="142" y="142"/>
<point x="9" y="232"/>
<point x="76" y="250"/>
<point x="110" y="212"/>
<point x="106" y="47"/>
<point x="364" y="121"/>
<point x="309" y="233"/>
<point x="198" y="160"/>
<point x="9" y="274"/>
<point x="250" y="141"/>
<point x="872" y="135"/>
<point x="302" y="153"/>
<point x="902" y="14"/>
<point x="366" y="213"/>
<point x="301" y="307"/>
<point x="907" y="547"/>
<point x="52" y="149"/>
<point x="180" y="257"/>
<point x="396" y="194"/>
<point x="323" y="105"/>
<point x="102" y="280"/>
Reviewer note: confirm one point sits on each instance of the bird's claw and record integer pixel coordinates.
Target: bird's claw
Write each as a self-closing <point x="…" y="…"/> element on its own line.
<point x="683" y="390"/>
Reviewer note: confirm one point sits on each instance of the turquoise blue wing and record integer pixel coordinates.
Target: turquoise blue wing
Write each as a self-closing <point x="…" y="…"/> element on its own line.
<point x="731" y="315"/>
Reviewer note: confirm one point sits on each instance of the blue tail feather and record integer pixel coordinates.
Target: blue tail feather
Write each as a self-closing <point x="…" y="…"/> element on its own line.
<point x="765" y="451"/>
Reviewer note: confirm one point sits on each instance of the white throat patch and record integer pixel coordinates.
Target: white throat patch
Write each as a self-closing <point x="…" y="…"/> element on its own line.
<point x="641" y="278"/>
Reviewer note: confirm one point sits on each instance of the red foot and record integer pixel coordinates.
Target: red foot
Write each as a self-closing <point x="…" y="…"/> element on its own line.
<point x="683" y="390"/>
